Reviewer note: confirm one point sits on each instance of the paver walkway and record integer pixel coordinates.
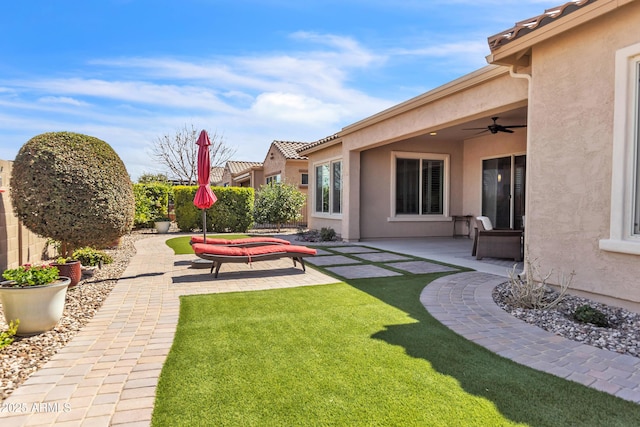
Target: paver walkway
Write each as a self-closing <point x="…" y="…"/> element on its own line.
<point x="107" y="375"/>
<point x="463" y="302"/>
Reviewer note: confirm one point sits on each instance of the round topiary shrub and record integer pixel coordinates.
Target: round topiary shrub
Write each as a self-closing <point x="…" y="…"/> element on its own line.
<point x="72" y="188"/>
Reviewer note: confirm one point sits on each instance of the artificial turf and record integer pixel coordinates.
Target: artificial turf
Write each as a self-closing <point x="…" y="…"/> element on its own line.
<point x="364" y="352"/>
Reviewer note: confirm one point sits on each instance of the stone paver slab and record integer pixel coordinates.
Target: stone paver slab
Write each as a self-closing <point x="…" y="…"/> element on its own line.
<point x="362" y="272"/>
<point x="354" y="249"/>
<point x="421" y="267"/>
<point x="382" y="257"/>
<point x="331" y="260"/>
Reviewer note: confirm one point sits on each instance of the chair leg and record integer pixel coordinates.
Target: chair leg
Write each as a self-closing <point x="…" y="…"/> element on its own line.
<point x="218" y="264"/>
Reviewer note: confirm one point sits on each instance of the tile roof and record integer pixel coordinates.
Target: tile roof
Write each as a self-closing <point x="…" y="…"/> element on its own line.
<point x="528" y="25"/>
<point x="290" y="149"/>
<point x="236" y="167"/>
<point x="216" y="174"/>
<point x="319" y="142"/>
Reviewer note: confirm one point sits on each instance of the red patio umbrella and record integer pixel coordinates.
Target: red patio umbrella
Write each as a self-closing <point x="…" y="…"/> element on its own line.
<point x="204" y="197"/>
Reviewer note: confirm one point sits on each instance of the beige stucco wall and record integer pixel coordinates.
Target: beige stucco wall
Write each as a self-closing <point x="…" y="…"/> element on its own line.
<point x="570" y="154"/>
<point x="375" y="190"/>
<point x="17" y="244"/>
<point x="315" y="221"/>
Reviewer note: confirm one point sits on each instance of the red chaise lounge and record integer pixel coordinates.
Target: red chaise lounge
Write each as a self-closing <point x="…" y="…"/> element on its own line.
<point x="246" y="242"/>
<point x="220" y="254"/>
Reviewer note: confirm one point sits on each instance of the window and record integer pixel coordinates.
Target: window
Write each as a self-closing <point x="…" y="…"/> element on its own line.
<point x="328" y="186"/>
<point x="625" y="178"/>
<point x="273" y="179"/>
<point x="304" y="179"/>
<point x="420" y="184"/>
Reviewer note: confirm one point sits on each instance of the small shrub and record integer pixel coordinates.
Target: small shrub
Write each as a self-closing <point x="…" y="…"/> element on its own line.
<point x="6" y="337"/>
<point x="530" y="290"/>
<point x="587" y="314"/>
<point x="327" y="234"/>
<point x="90" y="257"/>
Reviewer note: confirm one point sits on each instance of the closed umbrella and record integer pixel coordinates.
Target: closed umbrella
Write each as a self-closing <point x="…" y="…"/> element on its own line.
<point x="204" y="198"/>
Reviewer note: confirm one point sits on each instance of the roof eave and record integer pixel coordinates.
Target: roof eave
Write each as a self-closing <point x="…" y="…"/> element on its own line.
<point x="465" y="82"/>
<point x="516" y="52"/>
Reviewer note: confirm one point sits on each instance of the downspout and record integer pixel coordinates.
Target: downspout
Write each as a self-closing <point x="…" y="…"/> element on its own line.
<point x="527" y="76"/>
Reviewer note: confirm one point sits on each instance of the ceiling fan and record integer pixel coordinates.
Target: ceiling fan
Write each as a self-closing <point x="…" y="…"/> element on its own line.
<point x="495" y="127"/>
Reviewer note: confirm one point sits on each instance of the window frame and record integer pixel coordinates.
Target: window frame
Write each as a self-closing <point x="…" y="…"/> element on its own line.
<point x="420" y="217"/>
<point x="329" y="163"/>
<point x="625" y="191"/>
<point x="275" y="178"/>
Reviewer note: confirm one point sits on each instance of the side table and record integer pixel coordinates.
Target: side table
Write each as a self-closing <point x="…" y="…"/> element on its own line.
<point x="465" y="219"/>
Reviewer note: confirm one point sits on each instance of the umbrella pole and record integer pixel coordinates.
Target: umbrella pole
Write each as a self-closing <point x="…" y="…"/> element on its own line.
<point x="204" y="225"/>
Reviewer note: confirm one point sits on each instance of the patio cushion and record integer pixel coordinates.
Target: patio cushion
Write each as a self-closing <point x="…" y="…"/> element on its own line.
<point x="248" y="241"/>
<point x="486" y="222"/>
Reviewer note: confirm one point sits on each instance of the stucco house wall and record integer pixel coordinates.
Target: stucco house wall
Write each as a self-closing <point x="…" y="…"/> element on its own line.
<point x="318" y="221"/>
<point x="570" y="154"/>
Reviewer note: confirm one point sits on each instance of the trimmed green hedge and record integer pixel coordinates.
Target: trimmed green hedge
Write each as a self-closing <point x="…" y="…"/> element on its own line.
<point x="152" y="203"/>
<point x="233" y="212"/>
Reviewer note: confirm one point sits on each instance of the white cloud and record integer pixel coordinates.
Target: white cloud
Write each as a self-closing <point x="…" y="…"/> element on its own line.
<point x="62" y="100"/>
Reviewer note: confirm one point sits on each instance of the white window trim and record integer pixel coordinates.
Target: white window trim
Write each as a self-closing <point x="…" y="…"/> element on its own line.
<point x="312" y="185"/>
<point x="393" y="217"/>
<point x="625" y="144"/>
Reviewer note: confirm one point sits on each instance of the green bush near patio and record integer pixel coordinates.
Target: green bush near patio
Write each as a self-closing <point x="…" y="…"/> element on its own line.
<point x="152" y="202"/>
<point x="233" y="212"/>
<point x="364" y="352"/>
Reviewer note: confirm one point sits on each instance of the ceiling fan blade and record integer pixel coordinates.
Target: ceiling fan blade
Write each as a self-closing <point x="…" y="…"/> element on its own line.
<point x="485" y="128"/>
<point x="504" y="129"/>
<point x="515" y="126"/>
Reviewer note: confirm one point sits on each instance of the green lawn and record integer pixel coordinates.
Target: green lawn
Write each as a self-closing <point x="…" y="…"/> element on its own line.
<point x="360" y="353"/>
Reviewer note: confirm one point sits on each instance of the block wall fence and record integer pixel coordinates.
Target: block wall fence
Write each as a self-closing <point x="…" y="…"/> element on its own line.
<point x="17" y="244"/>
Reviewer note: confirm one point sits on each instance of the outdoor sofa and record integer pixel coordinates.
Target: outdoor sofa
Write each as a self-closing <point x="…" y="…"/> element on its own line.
<point x="492" y="243"/>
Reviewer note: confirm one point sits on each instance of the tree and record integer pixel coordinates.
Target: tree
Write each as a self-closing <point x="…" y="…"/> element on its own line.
<point x="150" y="178"/>
<point x="72" y="188"/>
<point x="278" y="203"/>
<point x="178" y="152"/>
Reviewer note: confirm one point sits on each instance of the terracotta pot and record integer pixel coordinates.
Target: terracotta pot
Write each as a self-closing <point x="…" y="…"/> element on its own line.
<point x="70" y="269"/>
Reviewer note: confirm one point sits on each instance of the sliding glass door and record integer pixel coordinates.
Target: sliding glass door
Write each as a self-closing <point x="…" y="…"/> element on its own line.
<point x="503" y="191"/>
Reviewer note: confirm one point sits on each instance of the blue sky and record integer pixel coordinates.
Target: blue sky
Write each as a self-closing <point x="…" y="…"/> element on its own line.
<point x="131" y="71"/>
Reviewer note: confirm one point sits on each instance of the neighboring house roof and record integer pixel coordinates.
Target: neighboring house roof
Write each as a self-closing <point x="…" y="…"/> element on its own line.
<point x="319" y="142"/>
<point x="236" y="167"/>
<point x="528" y="25"/>
<point x="216" y="174"/>
<point x="289" y="149"/>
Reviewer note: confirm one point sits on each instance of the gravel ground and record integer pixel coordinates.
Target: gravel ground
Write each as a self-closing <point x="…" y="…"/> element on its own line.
<point x="622" y="335"/>
<point x="26" y="355"/>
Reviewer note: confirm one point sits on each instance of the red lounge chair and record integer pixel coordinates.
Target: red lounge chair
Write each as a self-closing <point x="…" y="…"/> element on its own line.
<point x="246" y="242"/>
<point x="221" y="254"/>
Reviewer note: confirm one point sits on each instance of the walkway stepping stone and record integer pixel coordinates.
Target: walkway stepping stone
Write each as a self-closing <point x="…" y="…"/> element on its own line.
<point x="353" y="249"/>
<point x="382" y="257"/>
<point x="331" y="260"/>
<point x="322" y="252"/>
<point x="362" y="272"/>
<point x="421" y="267"/>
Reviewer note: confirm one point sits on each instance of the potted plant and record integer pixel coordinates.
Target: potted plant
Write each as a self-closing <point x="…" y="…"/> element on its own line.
<point x="69" y="267"/>
<point x="162" y="224"/>
<point x="34" y="296"/>
<point x="91" y="259"/>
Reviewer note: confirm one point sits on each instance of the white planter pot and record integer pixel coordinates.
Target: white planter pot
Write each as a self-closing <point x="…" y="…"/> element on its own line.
<point x="162" y="227"/>
<point x="39" y="308"/>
